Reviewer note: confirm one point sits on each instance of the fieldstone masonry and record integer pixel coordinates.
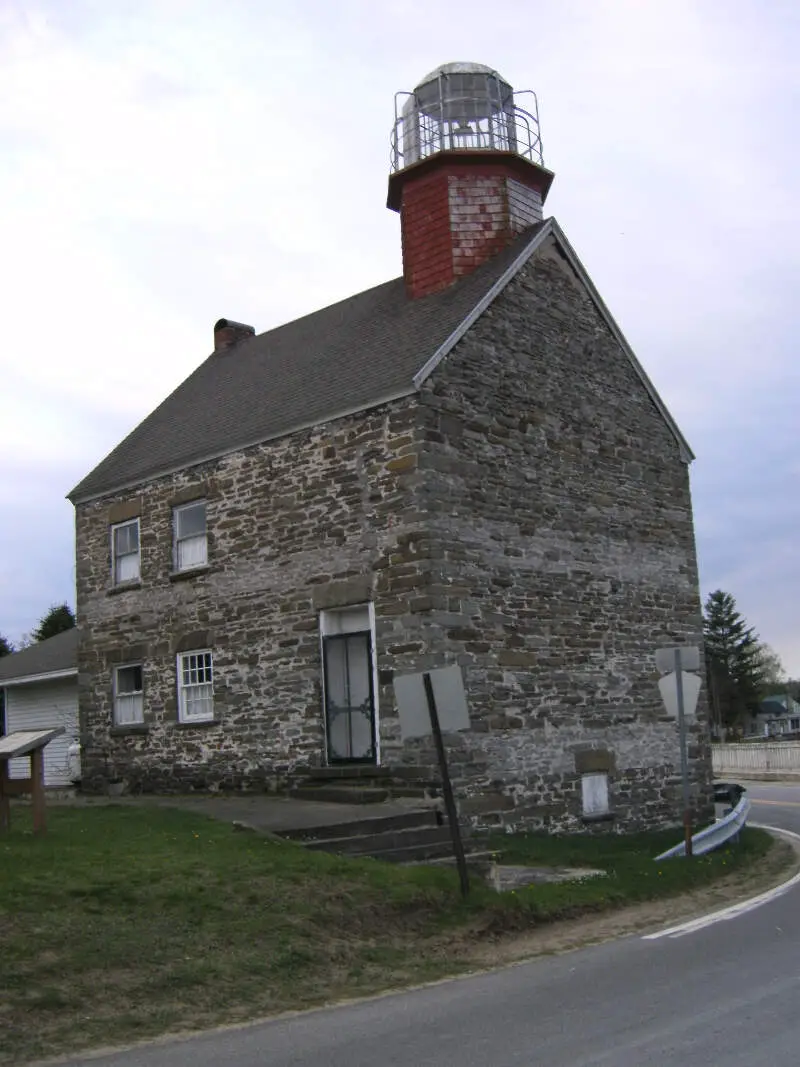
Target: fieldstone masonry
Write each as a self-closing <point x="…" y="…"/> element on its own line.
<point x="526" y="515"/>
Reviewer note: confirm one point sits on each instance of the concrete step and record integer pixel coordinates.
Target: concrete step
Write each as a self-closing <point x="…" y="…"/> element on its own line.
<point x="340" y="794"/>
<point x="420" y="791"/>
<point x="401" y="772"/>
<point x="377" y="844"/>
<point x="359" y="790"/>
<point x="380" y="824"/>
<point x="415" y="853"/>
<point x="477" y="862"/>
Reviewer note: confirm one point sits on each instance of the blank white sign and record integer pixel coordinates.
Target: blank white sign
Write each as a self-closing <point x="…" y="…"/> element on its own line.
<point x="669" y="693"/>
<point x="690" y="658"/>
<point x="412" y="703"/>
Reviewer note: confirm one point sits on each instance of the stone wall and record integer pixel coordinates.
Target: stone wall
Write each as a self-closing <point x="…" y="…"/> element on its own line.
<point x="562" y="556"/>
<point x="527" y="516"/>
<point x="321" y="519"/>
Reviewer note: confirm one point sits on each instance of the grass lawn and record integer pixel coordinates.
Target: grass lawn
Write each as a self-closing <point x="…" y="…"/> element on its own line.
<point x="123" y="923"/>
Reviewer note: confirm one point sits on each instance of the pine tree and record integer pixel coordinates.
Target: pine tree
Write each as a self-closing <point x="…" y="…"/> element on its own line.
<point x="58" y="619"/>
<point x="733" y="660"/>
<point x="6" y="648"/>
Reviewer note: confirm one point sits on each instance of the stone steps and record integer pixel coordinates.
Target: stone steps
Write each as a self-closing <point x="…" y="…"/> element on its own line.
<point x="379" y="824"/>
<point x="348" y="771"/>
<point x="413" y="837"/>
<point x="372" y="844"/>
<point x="340" y="794"/>
<point x="365" y="784"/>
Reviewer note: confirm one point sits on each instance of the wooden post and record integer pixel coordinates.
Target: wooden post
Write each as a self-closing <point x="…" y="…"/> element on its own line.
<point x="5" y="803"/>
<point x="37" y="791"/>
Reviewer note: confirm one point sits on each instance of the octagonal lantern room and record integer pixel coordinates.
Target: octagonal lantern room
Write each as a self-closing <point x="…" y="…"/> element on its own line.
<point x="464" y="106"/>
<point x="467" y="172"/>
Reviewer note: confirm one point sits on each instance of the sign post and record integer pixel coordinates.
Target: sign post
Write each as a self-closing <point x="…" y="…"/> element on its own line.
<point x="428" y="703"/>
<point x="447" y="788"/>
<point x="680" y="690"/>
<point x="687" y="813"/>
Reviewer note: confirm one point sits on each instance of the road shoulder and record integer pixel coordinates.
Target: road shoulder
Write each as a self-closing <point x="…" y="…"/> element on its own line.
<point x="781" y="863"/>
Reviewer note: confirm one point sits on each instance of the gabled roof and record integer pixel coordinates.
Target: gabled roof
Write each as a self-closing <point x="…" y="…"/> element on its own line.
<point x="779" y="705"/>
<point x="374" y="347"/>
<point x="57" y="657"/>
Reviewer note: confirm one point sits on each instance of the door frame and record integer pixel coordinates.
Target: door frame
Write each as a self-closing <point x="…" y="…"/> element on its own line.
<point x="331" y="624"/>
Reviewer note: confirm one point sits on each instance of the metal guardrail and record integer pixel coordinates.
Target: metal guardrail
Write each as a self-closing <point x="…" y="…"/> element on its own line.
<point x="720" y="832"/>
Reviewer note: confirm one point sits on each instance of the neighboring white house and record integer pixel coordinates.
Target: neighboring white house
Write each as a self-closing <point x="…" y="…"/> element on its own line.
<point x="40" y="689"/>
<point x="777" y="716"/>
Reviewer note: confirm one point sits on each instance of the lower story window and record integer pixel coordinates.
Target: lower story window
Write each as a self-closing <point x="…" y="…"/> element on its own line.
<point x="195" y="687"/>
<point x="128" y="695"/>
<point x="594" y="788"/>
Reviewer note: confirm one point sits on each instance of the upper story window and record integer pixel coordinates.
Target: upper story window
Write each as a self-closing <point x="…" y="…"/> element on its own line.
<point x="195" y="687"/>
<point x="125" y="556"/>
<point x="128" y="695"/>
<point x="191" y="548"/>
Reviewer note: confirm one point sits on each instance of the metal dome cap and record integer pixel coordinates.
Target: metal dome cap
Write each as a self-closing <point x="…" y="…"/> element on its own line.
<point x="459" y="68"/>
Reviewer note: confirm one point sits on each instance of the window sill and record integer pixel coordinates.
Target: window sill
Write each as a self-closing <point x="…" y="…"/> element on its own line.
<point x="197" y="722"/>
<point x="124" y="587"/>
<point x="190" y="572"/>
<point x="603" y="816"/>
<point x="129" y="728"/>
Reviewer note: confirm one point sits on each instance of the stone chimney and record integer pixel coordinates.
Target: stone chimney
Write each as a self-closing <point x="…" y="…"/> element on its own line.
<point x="467" y="173"/>
<point x="228" y="333"/>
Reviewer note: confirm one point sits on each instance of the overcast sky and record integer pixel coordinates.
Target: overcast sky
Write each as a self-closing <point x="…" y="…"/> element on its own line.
<point x="166" y="163"/>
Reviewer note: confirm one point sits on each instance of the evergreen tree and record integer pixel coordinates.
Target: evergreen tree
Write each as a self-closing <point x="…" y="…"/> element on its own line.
<point x="733" y="660"/>
<point x="6" y="648"/>
<point x="58" y="619"/>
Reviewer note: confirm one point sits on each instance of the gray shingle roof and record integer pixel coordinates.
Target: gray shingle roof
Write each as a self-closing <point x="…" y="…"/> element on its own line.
<point x="346" y="357"/>
<point x="59" y="653"/>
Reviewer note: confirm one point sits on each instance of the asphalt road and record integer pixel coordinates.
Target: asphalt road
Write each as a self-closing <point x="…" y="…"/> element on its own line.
<point x="726" y="995"/>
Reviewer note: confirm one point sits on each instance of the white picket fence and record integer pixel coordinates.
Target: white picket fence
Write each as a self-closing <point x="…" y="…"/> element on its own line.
<point x="755" y="759"/>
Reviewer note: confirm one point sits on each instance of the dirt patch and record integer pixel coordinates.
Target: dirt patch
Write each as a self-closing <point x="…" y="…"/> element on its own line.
<point x="781" y="862"/>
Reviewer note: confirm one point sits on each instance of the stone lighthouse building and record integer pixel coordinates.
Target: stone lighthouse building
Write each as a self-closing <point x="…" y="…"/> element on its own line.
<point x="464" y="465"/>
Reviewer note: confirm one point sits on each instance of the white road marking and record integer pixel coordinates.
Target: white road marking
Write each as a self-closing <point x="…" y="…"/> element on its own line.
<point x="735" y="910"/>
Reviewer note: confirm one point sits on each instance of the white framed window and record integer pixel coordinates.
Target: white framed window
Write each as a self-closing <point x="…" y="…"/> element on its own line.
<point x="125" y="556"/>
<point x="128" y="695"/>
<point x="594" y="789"/>
<point x="195" y="687"/>
<point x="191" y="548"/>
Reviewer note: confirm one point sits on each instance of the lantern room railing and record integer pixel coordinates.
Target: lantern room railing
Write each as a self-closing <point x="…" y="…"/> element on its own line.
<point x="419" y="133"/>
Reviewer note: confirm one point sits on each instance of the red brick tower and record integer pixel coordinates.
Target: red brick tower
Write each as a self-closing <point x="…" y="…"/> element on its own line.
<point x="467" y="173"/>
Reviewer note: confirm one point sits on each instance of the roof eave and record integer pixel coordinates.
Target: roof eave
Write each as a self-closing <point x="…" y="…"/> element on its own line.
<point x="309" y="424"/>
<point x="43" y="676"/>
